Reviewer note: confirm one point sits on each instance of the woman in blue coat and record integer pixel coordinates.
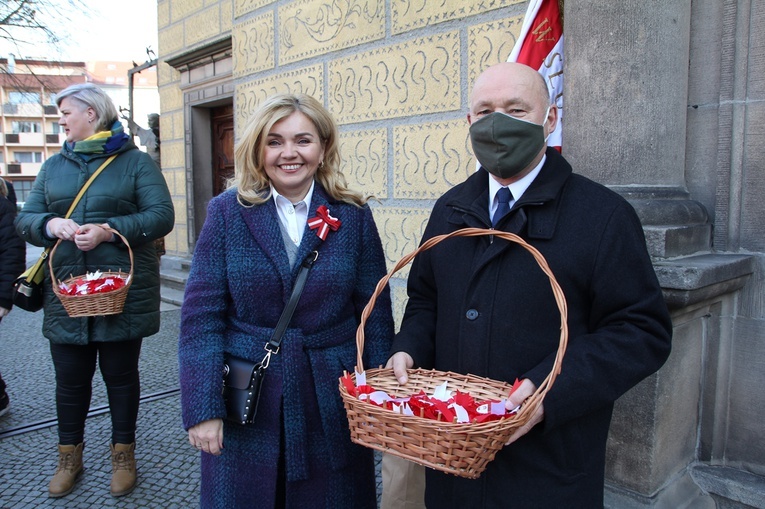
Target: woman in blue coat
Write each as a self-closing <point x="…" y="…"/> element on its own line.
<point x="298" y="451"/>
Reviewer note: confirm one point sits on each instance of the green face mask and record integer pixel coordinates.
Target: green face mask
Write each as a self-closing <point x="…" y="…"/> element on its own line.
<point x="505" y="145"/>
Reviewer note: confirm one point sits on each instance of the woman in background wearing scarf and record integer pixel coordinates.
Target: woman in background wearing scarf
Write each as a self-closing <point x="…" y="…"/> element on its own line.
<point x="131" y="196"/>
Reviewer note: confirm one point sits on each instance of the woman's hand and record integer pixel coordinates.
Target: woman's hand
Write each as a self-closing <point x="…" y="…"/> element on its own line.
<point x="89" y="236"/>
<point x="207" y="436"/>
<point x="61" y="228"/>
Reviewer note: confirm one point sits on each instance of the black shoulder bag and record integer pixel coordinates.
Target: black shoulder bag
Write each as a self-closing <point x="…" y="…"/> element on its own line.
<point x="242" y="378"/>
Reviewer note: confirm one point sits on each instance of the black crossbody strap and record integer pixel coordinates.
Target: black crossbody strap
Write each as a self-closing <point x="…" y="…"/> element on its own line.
<point x="281" y="327"/>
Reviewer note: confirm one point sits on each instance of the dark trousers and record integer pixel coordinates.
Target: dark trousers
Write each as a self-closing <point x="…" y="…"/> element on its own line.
<point x="75" y="366"/>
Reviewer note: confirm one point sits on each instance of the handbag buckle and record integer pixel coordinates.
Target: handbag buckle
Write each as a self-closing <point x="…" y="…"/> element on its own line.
<point x="25" y="290"/>
<point x="267" y="359"/>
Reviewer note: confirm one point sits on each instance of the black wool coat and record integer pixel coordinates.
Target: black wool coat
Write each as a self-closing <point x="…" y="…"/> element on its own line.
<point x="482" y="305"/>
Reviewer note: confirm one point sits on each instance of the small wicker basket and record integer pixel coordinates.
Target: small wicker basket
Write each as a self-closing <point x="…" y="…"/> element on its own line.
<point x="96" y="304"/>
<point x="462" y="449"/>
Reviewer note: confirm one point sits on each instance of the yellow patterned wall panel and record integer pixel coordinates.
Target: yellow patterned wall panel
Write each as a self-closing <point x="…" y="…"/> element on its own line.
<point x="171" y="240"/>
<point x="308" y="80"/>
<point x="411" y="78"/>
<point x="170" y="39"/>
<point x="313" y="27"/>
<point x="172" y="183"/>
<point x="170" y="98"/>
<point x="176" y="181"/>
<point x="242" y="7"/>
<point x="180" y="210"/>
<point x="166" y="74"/>
<point x="253" y="45"/>
<point x="365" y="161"/>
<point x="226" y="15"/>
<point x="202" y="26"/>
<point x="430" y="158"/>
<point x="400" y="231"/>
<point x="163" y="14"/>
<point x="399" y="297"/>
<point x="180" y="9"/>
<point x="177" y="125"/>
<point x="176" y="238"/>
<point x="491" y="43"/>
<point x="410" y="14"/>
<point x="173" y="154"/>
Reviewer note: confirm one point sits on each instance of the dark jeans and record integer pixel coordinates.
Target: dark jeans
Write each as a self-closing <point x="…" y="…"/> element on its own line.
<point x="75" y="366"/>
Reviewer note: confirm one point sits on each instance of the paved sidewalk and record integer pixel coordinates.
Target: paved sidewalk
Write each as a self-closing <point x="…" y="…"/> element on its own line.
<point x="168" y="469"/>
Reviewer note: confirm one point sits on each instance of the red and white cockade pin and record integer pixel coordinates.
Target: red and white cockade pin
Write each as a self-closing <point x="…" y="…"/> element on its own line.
<point x="323" y="222"/>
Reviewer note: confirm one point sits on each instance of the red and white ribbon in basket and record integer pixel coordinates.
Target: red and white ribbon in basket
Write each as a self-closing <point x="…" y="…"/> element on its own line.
<point x="442" y="405"/>
<point x="323" y="222"/>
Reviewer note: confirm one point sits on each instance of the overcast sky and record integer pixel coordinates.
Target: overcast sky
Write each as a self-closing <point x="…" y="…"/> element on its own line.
<point x="107" y="30"/>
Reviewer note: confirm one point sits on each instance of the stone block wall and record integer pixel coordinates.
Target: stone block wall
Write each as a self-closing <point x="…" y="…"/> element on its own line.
<point x="395" y="74"/>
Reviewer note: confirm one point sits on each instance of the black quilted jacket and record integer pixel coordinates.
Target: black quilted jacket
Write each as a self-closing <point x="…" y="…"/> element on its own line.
<point x="12" y="252"/>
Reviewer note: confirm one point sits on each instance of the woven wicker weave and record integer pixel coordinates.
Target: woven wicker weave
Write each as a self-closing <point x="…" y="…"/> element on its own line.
<point x="462" y="449"/>
<point x="96" y="304"/>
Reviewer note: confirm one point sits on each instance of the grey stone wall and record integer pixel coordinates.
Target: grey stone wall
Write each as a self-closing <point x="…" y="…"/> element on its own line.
<point x="664" y="103"/>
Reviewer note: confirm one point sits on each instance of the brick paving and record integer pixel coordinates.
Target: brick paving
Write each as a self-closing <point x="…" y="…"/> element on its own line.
<point x="168" y="469"/>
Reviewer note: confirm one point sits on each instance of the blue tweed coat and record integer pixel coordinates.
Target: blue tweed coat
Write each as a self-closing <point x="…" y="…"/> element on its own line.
<point x="239" y="283"/>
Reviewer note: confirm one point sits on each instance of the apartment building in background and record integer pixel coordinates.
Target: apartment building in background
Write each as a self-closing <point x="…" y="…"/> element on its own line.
<point x="29" y="128"/>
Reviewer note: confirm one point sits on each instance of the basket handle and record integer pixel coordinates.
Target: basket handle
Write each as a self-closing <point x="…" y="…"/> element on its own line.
<point x="478" y="232"/>
<point x="54" y="281"/>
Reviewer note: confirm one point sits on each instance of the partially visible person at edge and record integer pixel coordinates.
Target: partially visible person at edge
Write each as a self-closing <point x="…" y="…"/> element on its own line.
<point x="483" y="306"/>
<point x="10" y="192"/>
<point x="298" y="452"/>
<point x="130" y="196"/>
<point x="12" y="264"/>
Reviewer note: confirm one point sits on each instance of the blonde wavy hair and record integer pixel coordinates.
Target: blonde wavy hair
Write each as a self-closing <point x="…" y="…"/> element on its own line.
<point x="250" y="179"/>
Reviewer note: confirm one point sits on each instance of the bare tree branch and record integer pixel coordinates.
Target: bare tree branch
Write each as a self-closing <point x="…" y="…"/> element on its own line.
<point x="35" y="24"/>
<point x="26" y="22"/>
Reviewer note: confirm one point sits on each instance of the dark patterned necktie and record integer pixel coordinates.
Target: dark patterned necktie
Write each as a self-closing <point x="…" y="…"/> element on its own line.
<point x="503" y="197"/>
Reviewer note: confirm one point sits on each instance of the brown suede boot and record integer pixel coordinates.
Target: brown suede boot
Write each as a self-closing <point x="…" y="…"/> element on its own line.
<point x="69" y="469"/>
<point x="123" y="469"/>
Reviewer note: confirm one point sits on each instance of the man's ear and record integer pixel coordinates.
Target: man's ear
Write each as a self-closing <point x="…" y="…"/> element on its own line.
<point x="552" y="118"/>
<point x="469" y="119"/>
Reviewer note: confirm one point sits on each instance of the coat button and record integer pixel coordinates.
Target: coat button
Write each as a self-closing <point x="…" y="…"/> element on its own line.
<point x="471" y="314"/>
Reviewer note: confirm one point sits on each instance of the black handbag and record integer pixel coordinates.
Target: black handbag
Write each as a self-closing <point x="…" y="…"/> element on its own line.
<point x="28" y="287"/>
<point x="242" y="378"/>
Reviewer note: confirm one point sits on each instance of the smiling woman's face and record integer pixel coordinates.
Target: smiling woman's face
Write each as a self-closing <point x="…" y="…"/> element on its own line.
<point x="292" y="155"/>
<point x="77" y="119"/>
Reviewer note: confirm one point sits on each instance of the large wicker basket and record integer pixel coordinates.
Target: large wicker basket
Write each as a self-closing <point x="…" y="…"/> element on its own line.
<point x="96" y="304"/>
<point x="462" y="449"/>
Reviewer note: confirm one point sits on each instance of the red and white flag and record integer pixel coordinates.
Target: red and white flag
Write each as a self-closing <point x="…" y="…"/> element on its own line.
<point x="540" y="46"/>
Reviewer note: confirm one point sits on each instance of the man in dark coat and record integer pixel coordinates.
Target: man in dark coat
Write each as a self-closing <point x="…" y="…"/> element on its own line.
<point x="482" y="305"/>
